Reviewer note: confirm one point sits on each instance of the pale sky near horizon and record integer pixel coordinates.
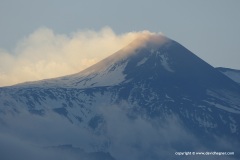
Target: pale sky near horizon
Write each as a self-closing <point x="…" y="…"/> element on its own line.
<point x="210" y="29"/>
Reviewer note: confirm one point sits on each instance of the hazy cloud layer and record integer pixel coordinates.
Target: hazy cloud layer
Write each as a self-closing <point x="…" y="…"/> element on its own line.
<point x="45" y="54"/>
<point x="26" y="136"/>
<point x="138" y="139"/>
<point x="133" y="137"/>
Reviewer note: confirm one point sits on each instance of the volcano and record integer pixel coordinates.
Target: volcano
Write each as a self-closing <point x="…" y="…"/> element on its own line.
<point x="161" y="92"/>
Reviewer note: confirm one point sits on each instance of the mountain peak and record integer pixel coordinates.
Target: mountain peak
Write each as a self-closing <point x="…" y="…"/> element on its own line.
<point x="154" y="82"/>
<point x="147" y="39"/>
<point x="152" y="57"/>
<point x="150" y="38"/>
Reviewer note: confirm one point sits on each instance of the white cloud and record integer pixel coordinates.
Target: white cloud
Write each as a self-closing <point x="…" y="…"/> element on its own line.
<point x="45" y="54"/>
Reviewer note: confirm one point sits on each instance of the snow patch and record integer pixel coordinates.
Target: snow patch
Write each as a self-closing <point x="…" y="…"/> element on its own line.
<point x="168" y="98"/>
<point x="113" y="75"/>
<point x="233" y="128"/>
<point x="205" y="123"/>
<point x="235" y="76"/>
<point x="142" y="61"/>
<point x="164" y="61"/>
<point x="228" y="109"/>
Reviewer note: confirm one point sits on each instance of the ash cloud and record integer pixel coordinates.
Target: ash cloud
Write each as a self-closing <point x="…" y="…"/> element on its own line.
<point x="45" y="54"/>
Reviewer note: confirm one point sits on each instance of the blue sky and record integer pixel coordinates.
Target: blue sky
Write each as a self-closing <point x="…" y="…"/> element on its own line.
<point x="210" y="29"/>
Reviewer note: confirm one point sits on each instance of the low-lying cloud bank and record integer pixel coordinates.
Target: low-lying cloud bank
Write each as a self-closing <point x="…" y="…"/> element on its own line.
<point x="45" y="54"/>
<point x="124" y="136"/>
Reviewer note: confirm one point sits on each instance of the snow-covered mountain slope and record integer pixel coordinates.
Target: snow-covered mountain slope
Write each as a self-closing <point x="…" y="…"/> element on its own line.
<point x="108" y="72"/>
<point x="231" y="73"/>
<point x="147" y="101"/>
